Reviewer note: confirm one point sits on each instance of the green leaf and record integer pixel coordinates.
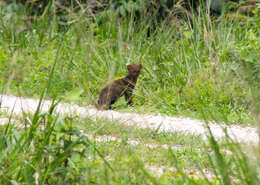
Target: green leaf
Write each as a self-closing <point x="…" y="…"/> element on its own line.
<point x="188" y="34"/>
<point x="75" y="157"/>
<point x="74" y="95"/>
<point x="14" y="182"/>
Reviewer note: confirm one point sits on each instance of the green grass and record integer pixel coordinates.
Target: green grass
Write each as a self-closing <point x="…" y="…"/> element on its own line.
<point x="105" y="127"/>
<point x="56" y="151"/>
<point x="208" y="71"/>
<point x="184" y="70"/>
<point x="65" y="143"/>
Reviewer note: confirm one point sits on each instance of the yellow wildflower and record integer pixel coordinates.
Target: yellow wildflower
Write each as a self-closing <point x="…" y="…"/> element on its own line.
<point x="73" y="76"/>
<point x="178" y="175"/>
<point x="118" y="77"/>
<point x="192" y="175"/>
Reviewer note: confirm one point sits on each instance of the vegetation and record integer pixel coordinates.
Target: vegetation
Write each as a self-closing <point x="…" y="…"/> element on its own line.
<point x="208" y="69"/>
<point x="45" y="148"/>
<point x="185" y="68"/>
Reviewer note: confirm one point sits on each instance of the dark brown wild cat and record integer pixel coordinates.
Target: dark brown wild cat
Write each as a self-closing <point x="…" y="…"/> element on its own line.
<point x="120" y="87"/>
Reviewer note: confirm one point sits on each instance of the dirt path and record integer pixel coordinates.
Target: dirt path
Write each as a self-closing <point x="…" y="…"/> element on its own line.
<point x="159" y="122"/>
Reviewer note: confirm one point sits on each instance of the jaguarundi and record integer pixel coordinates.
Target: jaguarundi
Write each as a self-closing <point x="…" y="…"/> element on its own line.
<point x="124" y="86"/>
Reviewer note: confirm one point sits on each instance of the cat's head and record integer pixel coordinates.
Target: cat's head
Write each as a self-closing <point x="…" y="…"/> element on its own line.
<point x="134" y="69"/>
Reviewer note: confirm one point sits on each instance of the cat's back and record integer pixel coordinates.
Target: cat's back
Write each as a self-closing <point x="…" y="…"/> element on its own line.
<point x="111" y="91"/>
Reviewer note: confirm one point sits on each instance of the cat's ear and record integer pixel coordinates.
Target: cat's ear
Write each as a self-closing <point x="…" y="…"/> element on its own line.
<point x="129" y="66"/>
<point x="140" y="66"/>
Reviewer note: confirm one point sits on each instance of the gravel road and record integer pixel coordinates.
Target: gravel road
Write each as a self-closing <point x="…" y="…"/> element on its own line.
<point x="159" y="122"/>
